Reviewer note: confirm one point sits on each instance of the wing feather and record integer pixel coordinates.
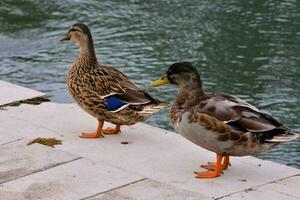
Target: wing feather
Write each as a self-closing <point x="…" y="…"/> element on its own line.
<point x="242" y="116"/>
<point x="106" y="81"/>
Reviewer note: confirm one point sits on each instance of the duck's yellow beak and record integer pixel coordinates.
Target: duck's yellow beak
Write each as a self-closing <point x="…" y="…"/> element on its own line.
<point x="164" y="80"/>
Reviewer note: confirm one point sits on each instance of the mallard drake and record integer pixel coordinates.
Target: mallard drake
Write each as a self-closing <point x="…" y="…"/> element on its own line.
<point x="102" y="91"/>
<point x="219" y="122"/>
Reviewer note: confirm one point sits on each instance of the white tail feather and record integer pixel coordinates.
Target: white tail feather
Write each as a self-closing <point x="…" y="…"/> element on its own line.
<point x="284" y="138"/>
<point x="153" y="108"/>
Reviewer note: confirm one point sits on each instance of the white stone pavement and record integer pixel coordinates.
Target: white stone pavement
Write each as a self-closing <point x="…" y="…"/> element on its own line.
<point x="10" y="93"/>
<point x="155" y="164"/>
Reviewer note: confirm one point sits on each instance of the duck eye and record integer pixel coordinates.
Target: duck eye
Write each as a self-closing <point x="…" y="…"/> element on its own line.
<point x="176" y="71"/>
<point x="173" y="71"/>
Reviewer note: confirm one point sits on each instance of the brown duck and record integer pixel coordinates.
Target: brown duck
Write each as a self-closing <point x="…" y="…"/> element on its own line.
<point x="219" y="122"/>
<point x="104" y="92"/>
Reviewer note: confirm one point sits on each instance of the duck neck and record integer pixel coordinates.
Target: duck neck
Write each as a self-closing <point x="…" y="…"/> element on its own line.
<point x="87" y="49"/>
<point x="87" y="59"/>
<point x="189" y="94"/>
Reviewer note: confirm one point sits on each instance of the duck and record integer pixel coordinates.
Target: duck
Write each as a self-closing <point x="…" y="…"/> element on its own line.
<point x="219" y="122"/>
<point x="103" y="91"/>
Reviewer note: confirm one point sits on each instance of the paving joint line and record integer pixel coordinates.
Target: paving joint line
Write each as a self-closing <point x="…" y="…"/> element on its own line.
<point x="16" y="140"/>
<point x="125" y="185"/>
<point x="254" y="187"/>
<point x="40" y="170"/>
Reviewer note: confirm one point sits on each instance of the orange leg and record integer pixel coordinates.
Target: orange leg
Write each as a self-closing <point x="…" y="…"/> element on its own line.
<point x="212" y="165"/>
<point x="226" y="162"/>
<point x="98" y="133"/>
<point x="112" y="131"/>
<point x="212" y="173"/>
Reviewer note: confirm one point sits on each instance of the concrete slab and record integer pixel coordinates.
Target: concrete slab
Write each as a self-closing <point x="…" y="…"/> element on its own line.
<point x="279" y="190"/>
<point x="25" y="129"/>
<point x="285" y="187"/>
<point x="148" y="190"/>
<point x="171" y="159"/>
<point x="17" y="159"/>
<point x="8" y="138"/>
<point x="151" y="152"/>
<point x="74" y="180"/>
<point x="258" y="194"/>
<point x="12" y="93"/>
<point x="53" y="118"/>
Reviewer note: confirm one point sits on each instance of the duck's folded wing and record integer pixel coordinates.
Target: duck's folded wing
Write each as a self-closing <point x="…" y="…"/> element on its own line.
<point x="132" y="93"/>
<point x="243" y="117"/>
<point x="253" y="120"/>
<point x="116" y="90"/>
<point x="262" y="125"/>
<point x="235" y="111"/>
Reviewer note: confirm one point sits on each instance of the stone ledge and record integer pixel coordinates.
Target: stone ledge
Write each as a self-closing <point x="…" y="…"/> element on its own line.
<point x="11" y="93"/>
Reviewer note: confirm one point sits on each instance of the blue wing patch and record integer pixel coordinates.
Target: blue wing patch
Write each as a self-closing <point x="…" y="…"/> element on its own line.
<point x="235" y="126"/>
<point x="113" y="103"/>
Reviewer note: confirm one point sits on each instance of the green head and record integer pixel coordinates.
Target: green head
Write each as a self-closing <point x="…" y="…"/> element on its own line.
<point x="180" y="73"/>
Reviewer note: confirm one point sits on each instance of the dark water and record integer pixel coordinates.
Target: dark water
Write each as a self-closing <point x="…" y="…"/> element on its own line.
<point x="247" y="48"/>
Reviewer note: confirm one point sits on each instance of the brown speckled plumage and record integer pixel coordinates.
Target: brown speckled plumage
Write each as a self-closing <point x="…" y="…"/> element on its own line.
<point x="89" y="83"/>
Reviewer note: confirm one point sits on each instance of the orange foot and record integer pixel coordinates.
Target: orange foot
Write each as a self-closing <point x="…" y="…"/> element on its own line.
<point x="112" y="131"/>
<point x="215" y="169"/>
<point x="97" y="134"/>
<point x="212" y="165"/>
<point x="90" y="135"/>
<point x="208" y="174"/>
<point x="209" y="166"/>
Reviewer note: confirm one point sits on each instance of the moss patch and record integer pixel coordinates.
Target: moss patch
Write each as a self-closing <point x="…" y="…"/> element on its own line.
<point x="46" y="141"/>
<point x="34" y="101"/>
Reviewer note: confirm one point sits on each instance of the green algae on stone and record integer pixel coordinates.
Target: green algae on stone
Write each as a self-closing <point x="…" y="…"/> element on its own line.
<point x="46" y="141"/>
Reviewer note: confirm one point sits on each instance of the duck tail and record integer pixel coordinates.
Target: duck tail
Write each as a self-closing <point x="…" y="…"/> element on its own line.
<point x="153" y="108"/>
<point x="153" y="100"/>
<point x="160" y="105"/>
<point x="287" y="136"/>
